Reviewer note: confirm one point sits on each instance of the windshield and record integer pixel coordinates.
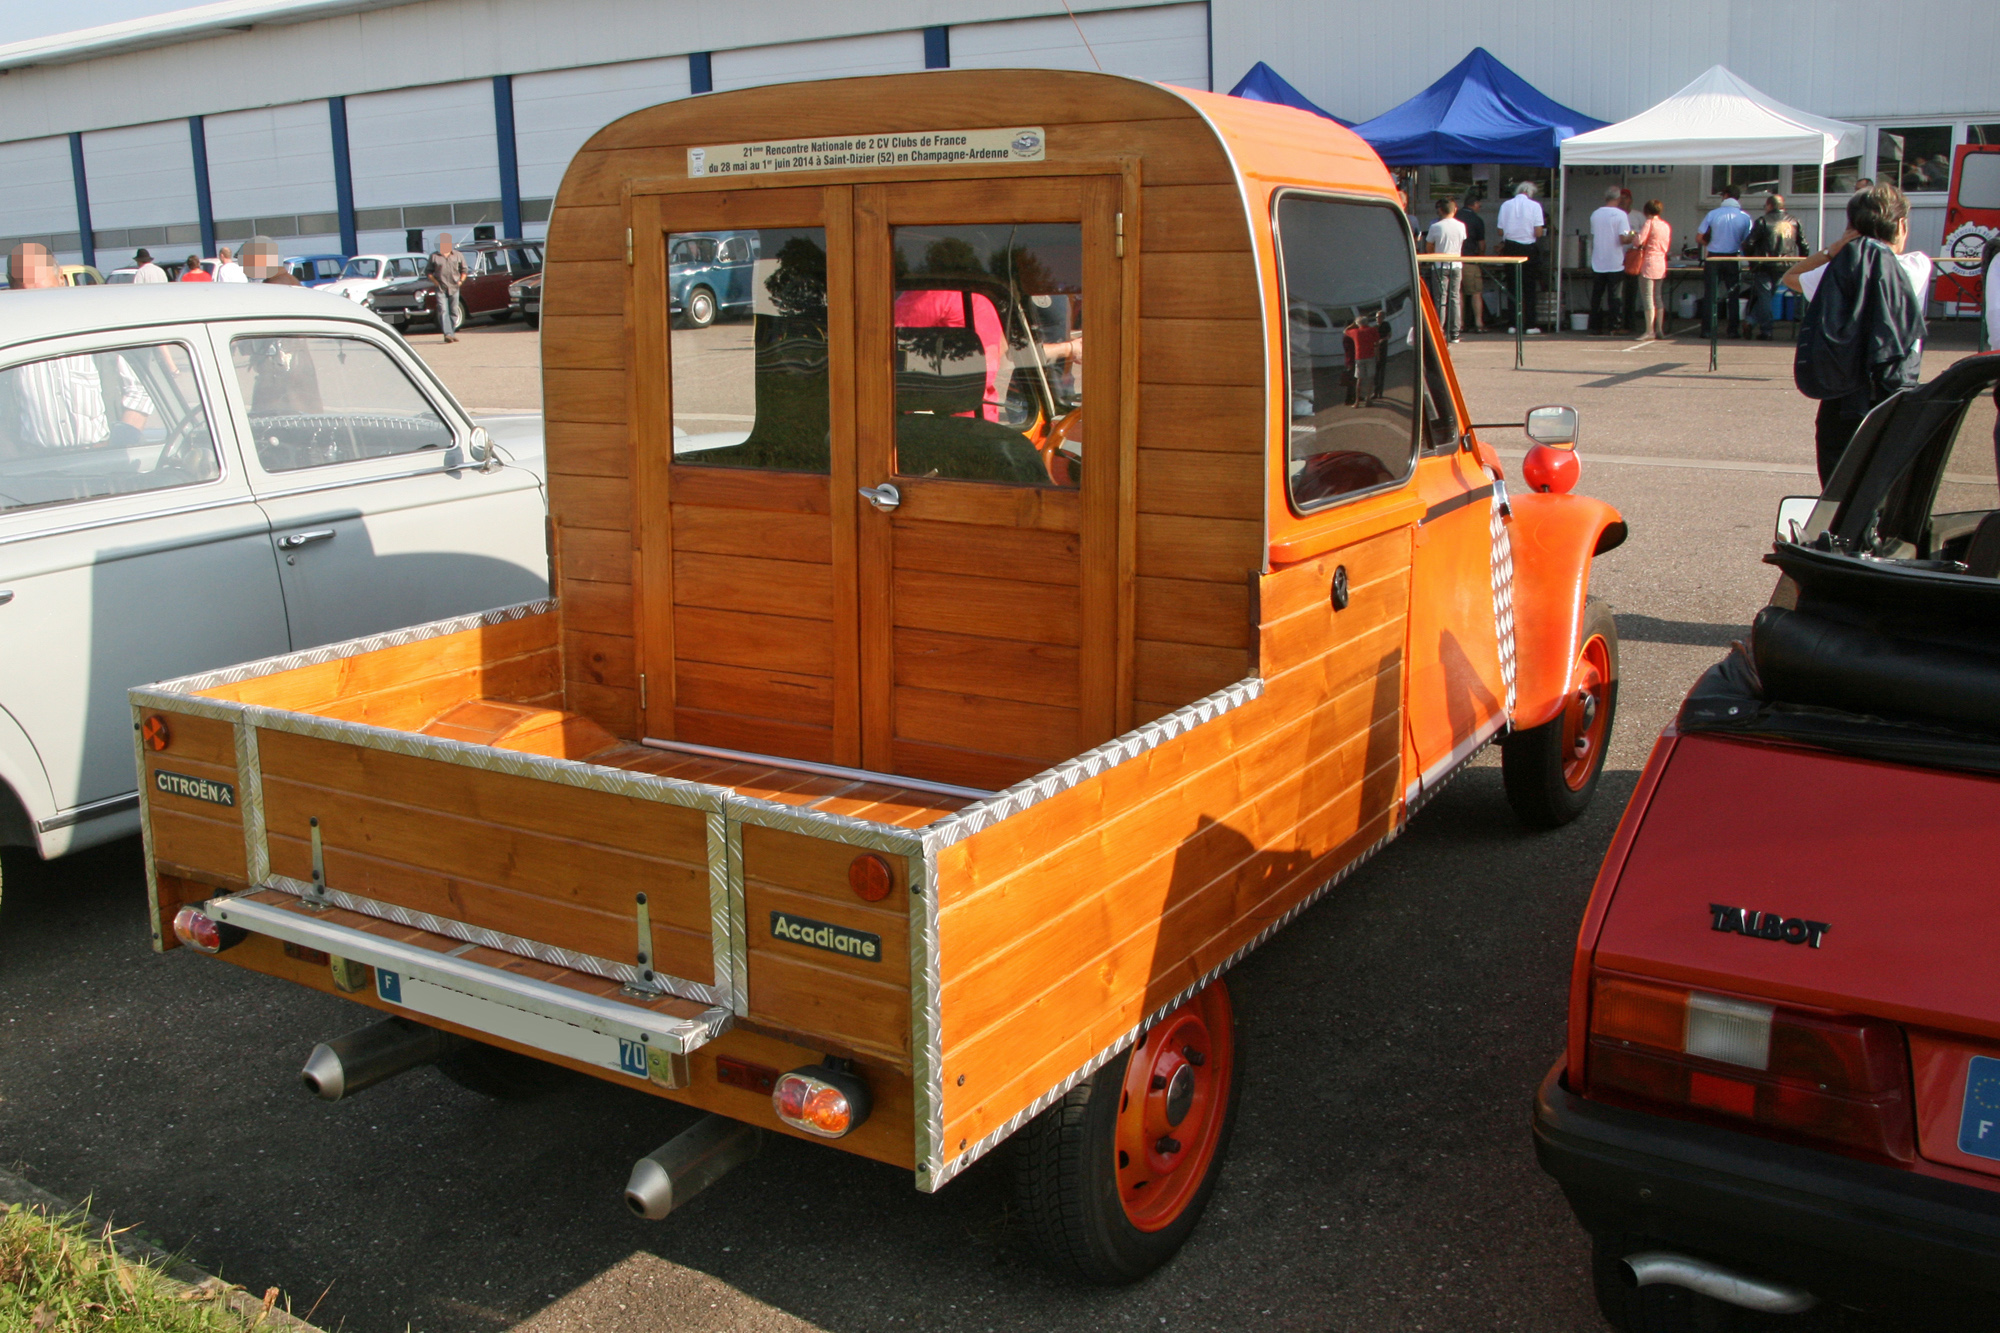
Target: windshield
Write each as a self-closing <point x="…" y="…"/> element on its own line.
<point x="361" y="268"/>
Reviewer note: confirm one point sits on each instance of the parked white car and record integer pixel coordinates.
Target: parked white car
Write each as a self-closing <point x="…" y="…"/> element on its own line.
<point x="364" y="273"/>
<point x="194" y="476"/>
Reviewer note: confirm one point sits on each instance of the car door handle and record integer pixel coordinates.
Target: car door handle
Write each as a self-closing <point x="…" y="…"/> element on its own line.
<point x="294" y="540"/>
<point x="6" y="596"/>
<point x="884" y="497"/>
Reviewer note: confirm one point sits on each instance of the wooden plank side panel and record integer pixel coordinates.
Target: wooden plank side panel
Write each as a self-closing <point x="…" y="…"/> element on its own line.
<point x="754" y="692"/>
<point x="597" y="555"/>
<point x="744" y="583"/>
<point x="533" y="676"/>
<point x="1201" y="484"/>
<point x="1176" y="546"/>
<point x="1191" y="611"/>
<point x="1198" y="285"/>
<point x="205" y="740"/>
<point x="1036" y="673"/>
<point x="474" y="650"/>
<point x="1207" y="418"/>
<point x="741" y="532"/>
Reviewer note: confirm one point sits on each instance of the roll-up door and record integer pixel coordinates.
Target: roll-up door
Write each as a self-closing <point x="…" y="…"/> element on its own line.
<point x="141" y="190"/>
<point x="555" y="112"/>
<point x="270" y="173"/>
<point x="838" y="58"/>
<point x="1164" y="43"/>
<point x="423" y="157"/>
<point x="39" y="203"/>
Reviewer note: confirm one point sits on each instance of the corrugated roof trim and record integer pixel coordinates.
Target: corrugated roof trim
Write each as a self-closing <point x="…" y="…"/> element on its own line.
<point x="181" y="25"/>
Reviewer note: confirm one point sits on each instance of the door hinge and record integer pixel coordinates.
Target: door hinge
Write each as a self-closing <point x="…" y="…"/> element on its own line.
<point x="628" y="247"/>
<point x="642" y="691"/>
<point x="1118" y="234"/>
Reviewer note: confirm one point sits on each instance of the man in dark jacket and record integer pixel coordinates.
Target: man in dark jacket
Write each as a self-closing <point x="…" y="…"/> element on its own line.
<point x="1775" y="232"/>
<point x="1862" y="339"/>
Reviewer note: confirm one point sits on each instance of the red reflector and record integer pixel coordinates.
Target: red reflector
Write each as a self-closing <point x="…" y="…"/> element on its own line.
<point x="306" y="955"/>
<point x="821" y="1100"/>
<point x="200" y="932"/>
<point x="154" y="731"/>
<point x="870" y="877"/>
<point x="1731" y="1096"/>
<point x="742" y="1074"/>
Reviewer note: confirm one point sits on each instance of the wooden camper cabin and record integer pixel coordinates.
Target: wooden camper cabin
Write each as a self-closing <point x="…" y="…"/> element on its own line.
<point x="1164" y="477"/>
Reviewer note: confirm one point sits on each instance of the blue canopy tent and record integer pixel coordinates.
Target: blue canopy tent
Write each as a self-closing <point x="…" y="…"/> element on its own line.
<point x="1263" y="84"/>
<point x="1480" y="112"/>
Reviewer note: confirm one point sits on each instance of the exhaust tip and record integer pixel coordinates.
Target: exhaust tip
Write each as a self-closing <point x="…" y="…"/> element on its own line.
<point x="323" y="1076"/>
<point x="1714" y="1281"/>
<point x="650" y="1191"/>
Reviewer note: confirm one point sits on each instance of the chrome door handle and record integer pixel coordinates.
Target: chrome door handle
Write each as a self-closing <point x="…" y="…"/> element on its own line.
<point x="293" y="541"/>
<point x="884" y="497"/>
<point x="6" y="596"/>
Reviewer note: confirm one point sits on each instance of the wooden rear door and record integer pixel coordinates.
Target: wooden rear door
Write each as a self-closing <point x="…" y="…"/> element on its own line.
<point x="987" y="313"/>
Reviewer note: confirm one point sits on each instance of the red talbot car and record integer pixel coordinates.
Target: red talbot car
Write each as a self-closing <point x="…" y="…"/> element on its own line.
<point x="1782" y="1082"/>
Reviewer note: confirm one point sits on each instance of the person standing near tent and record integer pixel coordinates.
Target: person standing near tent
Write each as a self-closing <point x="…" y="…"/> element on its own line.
<point x="1446" y="237"/>
<point x="1472" y="282"/>
<point x="1722" y="233"/>
<point x="1862" y="339"/>
<point x="1776" y="233"/>
<point x="1653" y="243"/>
<point x="1522" y="223"/>
<point x="1609" y="230"/>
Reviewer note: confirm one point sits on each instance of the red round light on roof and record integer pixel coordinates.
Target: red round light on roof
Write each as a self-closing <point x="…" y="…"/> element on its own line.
<point x="154" y="732"/>
<point x="870" y="877"/>
<point x="1551" y="469"/>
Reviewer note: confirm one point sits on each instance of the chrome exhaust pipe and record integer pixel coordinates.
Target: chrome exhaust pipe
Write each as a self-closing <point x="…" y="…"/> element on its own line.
<point x="1715" y="1281"/>
<point x="689" y="1163"/>
<point x="345" y="1065"/>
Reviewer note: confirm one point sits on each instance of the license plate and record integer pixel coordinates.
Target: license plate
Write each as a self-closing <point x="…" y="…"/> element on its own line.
<point x="1979" y="1121"/>
<point x="625" y="1053"/>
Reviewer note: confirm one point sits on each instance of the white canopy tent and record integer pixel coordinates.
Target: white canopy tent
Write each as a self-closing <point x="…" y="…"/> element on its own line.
<point x="1716" y="119"/>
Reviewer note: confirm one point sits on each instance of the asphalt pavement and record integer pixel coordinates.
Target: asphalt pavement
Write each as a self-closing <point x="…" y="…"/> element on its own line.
<point x="1381" y="1175"/>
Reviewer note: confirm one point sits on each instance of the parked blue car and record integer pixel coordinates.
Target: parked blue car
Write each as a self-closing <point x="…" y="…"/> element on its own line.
<point x="315" y="270"/>
<point x="709" y="274"/>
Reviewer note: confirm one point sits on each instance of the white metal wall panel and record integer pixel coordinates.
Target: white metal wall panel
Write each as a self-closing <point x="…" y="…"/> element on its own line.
<point x="277" y="160"/>
<point x="555" y="112"/>
<point x="839" y="58"/>
<point x="140" y="176"/>
<point x="423" y="145"/>
<point x="40" y="194"/>
<point x="1167" y="44"/>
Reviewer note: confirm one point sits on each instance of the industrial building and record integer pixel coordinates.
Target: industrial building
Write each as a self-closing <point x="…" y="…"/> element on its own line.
<point x="344" y="125"/>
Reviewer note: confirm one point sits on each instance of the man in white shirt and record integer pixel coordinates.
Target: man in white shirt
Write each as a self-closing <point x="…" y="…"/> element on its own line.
<point x="227" y="269"/>
<point x="1608" y="235"/>
<point x="1522" y="223"/>
<point x="148" y="271"/>
<point x="1446" y="237"/>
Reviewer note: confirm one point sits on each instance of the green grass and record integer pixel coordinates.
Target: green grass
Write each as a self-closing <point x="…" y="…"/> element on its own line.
<point x="57" y="1275"/>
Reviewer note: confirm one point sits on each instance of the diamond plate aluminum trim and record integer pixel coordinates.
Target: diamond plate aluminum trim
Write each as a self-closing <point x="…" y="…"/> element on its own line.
<point x="1074" y="772"/>
<point x="546" y="998"/>
<point x="972" y="1154"/>
<point x="725" y="915"/>
<point x="927" y="1036"/>
<point x="333" y="652"/>
<point x="250" y="803"/>
<point x="153" y="696"/>
<point x="822" y="824"/>
<point x="1503" y="591"/>
<point x="627" y="973"/>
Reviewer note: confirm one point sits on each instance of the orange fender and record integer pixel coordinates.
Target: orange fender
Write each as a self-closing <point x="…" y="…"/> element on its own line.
<point x="1554" y="537"/>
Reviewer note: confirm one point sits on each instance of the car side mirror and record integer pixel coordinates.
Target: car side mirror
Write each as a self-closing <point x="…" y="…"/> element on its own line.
<point x="1553" y="426"/>
<point x="1795" y="513"/>
<point x="480" y="448"/>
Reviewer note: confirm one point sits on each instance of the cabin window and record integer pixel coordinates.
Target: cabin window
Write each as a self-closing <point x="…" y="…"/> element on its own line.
<point x="754" y="393"/>
<point x="1352" y="347"/>
<point x="314" y="401"/>
<point x="988" y="352"/>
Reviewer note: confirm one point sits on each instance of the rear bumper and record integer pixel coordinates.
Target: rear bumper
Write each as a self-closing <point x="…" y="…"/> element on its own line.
<point x="1848" y="1231"/>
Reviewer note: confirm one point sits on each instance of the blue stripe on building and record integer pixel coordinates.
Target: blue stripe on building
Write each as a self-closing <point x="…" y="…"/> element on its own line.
<point x="203" y="204"/>
<point x="89" y="242"/>
<point x="937" y="48"/>
<point x="510" y="165"/>
<point x="343" y="175"/>
<point x="700" y="79"/>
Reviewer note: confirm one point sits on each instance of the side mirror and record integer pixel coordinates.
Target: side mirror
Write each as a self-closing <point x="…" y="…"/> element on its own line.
<point x="1553" y="426"/>
<point x="481" y="449"/>
<point x="1795" y="513"/>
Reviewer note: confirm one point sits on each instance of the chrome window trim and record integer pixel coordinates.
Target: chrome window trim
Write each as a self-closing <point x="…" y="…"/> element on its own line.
<point x="1278" y="197"/>
<point x="89" y="810"/>
<point x="220" y="502"/>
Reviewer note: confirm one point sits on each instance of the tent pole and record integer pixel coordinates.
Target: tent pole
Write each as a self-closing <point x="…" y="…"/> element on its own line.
<point x="1824" y="163"/>
<point x="1562" y="239"/>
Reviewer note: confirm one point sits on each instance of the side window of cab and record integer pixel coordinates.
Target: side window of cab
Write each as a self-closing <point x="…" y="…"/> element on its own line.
<point x="1354" y="347"/>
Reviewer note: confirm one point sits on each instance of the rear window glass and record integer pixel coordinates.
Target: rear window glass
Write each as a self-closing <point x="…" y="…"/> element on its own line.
<point x="1352" y="347"/>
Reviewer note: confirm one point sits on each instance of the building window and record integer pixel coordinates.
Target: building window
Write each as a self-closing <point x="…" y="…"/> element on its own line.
<point x="1753" y="180"/>
<point x="1982" y="134"/>
<point x="1843" y="175"/>
<point x="1916" y="157"/>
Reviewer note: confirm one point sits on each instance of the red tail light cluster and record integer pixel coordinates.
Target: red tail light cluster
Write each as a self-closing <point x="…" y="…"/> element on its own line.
<point x="1839" y="1081"/>
<point x="199" y="931"/>
<point x="822" y="1099"/>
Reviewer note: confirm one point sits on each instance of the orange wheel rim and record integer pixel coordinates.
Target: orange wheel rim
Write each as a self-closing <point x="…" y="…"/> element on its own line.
<point x="1171" y="1108"/>
<point x="1587" y="718"/>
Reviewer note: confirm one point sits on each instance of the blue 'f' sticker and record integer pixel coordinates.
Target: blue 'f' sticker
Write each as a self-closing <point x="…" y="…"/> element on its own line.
<point x="1979" y="1122"/>
<point x="389" y="986"/>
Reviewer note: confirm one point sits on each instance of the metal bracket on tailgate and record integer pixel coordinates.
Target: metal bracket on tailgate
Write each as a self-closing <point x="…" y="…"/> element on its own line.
<point x="644" y="1043"/>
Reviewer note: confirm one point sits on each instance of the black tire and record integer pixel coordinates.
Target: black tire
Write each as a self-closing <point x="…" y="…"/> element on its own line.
<point x="505" y="1075"/>
<point x="1655" y="1309"/>
<point x="533" y="321"/>
<point x="1532" y="762"/>
<point x="699" y="309"/>
<point x="1066" y="1184"/>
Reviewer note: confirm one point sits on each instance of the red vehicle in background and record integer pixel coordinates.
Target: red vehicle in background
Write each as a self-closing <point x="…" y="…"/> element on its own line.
<point x="1971" y="222"/>
<point x="1782" y="1081"/>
